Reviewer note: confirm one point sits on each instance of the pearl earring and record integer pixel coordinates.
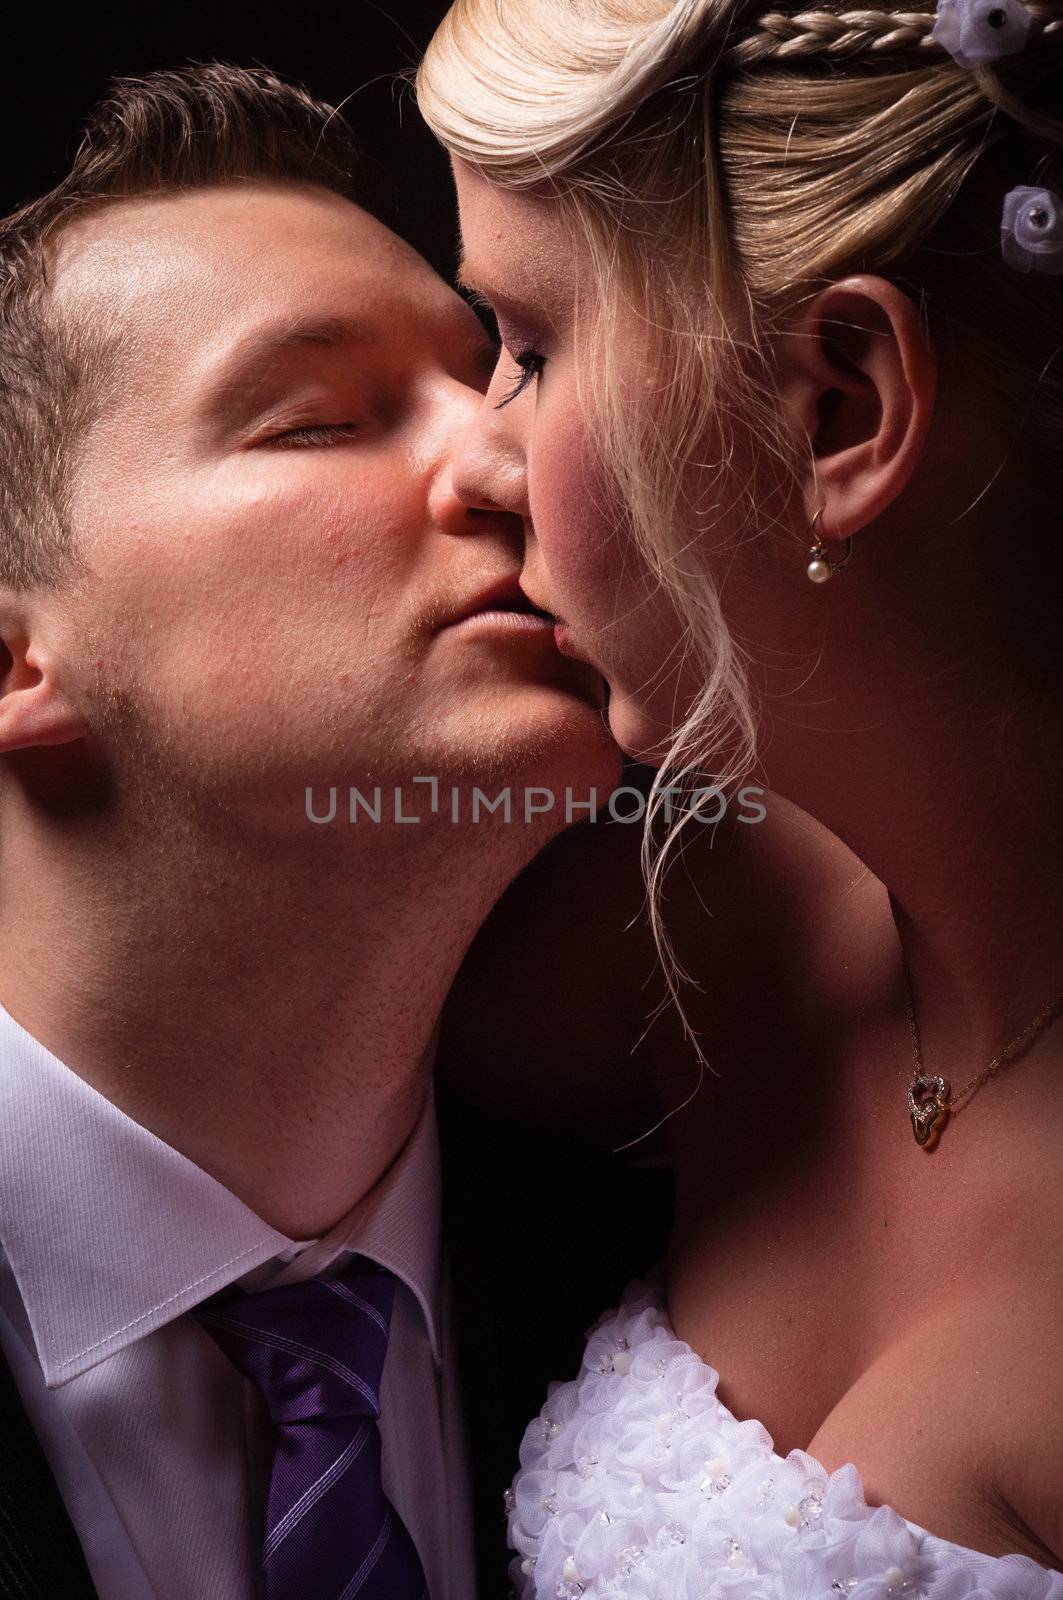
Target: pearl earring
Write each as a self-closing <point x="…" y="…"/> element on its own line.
<point x="820" y="566"/>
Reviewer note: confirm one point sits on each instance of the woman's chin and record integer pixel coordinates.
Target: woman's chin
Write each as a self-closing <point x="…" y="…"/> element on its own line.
<point x="641" y="737"/>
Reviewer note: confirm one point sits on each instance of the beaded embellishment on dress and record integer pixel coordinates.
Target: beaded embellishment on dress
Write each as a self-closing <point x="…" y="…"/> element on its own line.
<point x="637" y="1483"/>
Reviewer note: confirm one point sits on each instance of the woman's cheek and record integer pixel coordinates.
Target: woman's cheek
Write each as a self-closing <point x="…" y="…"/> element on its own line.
<point x="569" y="506"/>
<point x="602" y="586"/>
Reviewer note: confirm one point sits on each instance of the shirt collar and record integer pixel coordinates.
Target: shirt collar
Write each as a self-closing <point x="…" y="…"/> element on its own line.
<point x="396" y="1224"/>
<point x="111" y="1233"/>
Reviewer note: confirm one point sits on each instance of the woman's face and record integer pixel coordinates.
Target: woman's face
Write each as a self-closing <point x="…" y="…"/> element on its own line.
<point x="531" y="451"/>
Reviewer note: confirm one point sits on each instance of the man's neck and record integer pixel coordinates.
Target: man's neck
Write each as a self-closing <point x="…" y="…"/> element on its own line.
<point x="269" y="1013"/>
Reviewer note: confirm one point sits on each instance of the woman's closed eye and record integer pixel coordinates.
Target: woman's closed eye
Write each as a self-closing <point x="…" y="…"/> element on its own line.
<point x="530" y="367"/>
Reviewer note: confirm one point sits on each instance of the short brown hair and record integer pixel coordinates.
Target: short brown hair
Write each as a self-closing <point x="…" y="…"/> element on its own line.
<point x="196" y="126"/>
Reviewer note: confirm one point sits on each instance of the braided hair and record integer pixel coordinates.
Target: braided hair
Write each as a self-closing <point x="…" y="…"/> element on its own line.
<point x="786" y="36"/>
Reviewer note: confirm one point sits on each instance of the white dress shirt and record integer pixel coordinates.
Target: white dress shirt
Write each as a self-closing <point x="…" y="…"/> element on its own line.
<point x="161" y="1450"/>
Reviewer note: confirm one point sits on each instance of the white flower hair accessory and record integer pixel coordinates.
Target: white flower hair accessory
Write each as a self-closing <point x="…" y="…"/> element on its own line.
<point x="976" y="31"/>
<point x="1031" y="230"/>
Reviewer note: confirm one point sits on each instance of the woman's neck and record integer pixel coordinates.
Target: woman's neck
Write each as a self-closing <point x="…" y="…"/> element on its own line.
<point x="953" y="805"/>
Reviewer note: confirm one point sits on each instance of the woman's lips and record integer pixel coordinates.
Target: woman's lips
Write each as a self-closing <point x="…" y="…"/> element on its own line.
<point x="563" y="641"/>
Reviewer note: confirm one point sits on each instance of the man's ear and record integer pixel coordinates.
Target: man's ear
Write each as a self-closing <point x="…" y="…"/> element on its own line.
<point x="34" y="709"/>
<point x="858" y="375"/>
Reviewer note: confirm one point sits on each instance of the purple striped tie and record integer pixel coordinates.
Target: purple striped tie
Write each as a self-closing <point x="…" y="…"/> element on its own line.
<point x="316" y="1351"/>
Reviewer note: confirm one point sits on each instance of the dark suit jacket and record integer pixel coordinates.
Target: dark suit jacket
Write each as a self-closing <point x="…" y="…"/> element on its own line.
<point x="40" y="1557"/>
<point x="542" y="1239"/>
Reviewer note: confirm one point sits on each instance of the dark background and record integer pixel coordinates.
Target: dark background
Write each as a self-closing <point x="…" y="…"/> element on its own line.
<point x="58" y="63"/>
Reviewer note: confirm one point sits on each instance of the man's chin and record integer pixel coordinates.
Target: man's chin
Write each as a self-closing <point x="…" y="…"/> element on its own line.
<point x="546" y="734"/>
<point x="532" y="764"/>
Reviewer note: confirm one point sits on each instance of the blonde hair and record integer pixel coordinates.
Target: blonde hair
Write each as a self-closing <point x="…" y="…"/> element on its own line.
<point x="724" y="160"/>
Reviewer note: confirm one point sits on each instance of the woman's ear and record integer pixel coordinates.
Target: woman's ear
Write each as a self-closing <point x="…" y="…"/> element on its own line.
<point x="34" y="709"/>
<point x="858" y="376"/>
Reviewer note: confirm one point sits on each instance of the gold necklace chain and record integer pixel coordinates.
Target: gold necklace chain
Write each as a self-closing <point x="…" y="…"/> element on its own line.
<point x="930" y="1099"/>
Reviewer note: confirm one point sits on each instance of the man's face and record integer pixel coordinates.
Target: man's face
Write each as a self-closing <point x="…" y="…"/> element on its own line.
<point x="272" y="546"/>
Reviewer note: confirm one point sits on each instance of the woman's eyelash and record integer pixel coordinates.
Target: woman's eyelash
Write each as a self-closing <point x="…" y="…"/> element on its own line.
<point x="531" y="366"/>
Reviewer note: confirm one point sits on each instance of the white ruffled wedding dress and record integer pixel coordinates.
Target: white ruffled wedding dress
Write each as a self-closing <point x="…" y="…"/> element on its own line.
<point x="636" y="1483"/>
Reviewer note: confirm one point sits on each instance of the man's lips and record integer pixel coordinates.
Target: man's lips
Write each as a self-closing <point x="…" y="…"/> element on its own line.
<point x="503" y="597"/>
<point x="503" y="607"/>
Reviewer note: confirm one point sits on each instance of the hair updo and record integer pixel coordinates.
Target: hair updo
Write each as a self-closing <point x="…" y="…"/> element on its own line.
<point x="725" y="160"/>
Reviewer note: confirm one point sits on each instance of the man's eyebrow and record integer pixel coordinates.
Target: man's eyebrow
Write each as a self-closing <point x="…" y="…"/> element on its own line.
<point x="257" y="350"/>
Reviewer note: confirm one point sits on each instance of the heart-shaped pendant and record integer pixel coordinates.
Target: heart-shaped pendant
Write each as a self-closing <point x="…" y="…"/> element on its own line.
<point x="928" y="1107"/>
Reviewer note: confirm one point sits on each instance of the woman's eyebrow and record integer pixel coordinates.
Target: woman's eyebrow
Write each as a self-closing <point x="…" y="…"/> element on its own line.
<point x="478" y="285"/>
<point x="469" y="279"/>
<point x="520" y="294"/>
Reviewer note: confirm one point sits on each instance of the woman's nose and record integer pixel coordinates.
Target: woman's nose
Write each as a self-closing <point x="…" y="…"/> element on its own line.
<point x="488" y="469"/>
